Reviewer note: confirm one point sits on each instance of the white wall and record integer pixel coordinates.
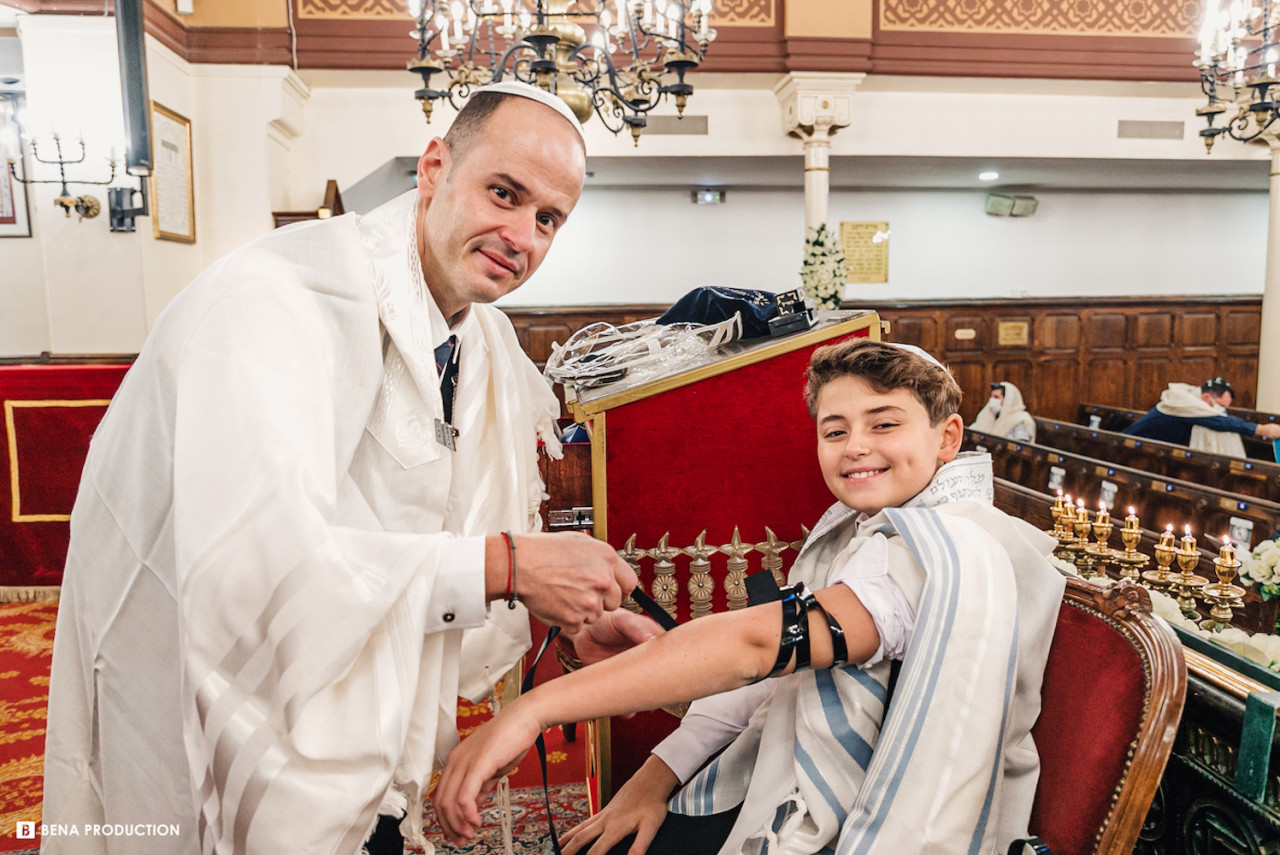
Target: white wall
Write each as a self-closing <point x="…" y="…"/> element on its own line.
<point x="75" y="287"/>
<point x="629" y="246"/>
<point x="263" y="140"/>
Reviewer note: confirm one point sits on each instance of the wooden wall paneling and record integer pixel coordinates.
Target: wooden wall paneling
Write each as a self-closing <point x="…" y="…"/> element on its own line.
<point x="966" y="334"/>
<point x="1059" y="332"/>
<point x="1106" y="329"/>
<point x="972" y="376"/>
<point x="1151" y="376"/>
<point x="1241" y="325"/>
<point x="536" y="338"/>
<point x="1153" y="329"/>
<point x="1197" y="328"/>
<point x="1196" y="366"/>
<point x="1242" y="372"/>
<point x="922" y="331"/>
<point x="1056" y="386"/>
<point x="1119" y="351"/>
<point x="1106" y="379"/>
<point x="1015" y="370"/>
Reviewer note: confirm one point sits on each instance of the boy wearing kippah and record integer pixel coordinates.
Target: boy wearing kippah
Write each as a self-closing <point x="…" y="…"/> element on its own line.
<point x="792" y="750"/>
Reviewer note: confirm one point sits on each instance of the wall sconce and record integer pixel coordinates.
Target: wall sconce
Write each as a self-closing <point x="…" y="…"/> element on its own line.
<point x="119" y="199"/>
<point x="86" y="206"/>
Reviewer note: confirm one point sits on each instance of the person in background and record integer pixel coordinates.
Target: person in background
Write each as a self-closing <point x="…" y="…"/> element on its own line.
<point x="1006" y="415"/>
<point x="1198" y="418"/>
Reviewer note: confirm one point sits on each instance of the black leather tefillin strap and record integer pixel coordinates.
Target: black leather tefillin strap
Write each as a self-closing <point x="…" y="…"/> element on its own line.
<point x="653" y="610"/>
<point x="796" y="603"/>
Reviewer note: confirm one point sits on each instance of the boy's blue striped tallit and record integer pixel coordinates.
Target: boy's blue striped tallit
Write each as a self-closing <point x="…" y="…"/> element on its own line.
<point x="815" y="771"/>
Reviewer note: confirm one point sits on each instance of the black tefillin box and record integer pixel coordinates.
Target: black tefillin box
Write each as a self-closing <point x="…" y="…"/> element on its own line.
<point x="795" y="313"/>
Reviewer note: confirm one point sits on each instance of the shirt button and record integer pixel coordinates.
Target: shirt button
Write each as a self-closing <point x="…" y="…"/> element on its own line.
<point x="448" y="617"/>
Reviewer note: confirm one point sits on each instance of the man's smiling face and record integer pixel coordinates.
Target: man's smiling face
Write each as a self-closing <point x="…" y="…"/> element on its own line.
<point x="487" y="217"/>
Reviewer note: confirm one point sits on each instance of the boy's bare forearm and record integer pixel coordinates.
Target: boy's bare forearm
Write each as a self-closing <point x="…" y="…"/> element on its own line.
<point x="713" y="654"/>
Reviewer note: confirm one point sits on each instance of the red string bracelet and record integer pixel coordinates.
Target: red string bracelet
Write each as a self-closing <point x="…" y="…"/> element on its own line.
<point x="512" y="597"/>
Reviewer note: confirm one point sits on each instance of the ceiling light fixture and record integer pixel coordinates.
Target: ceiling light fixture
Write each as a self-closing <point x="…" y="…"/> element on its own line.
<point x="617" y="59"/>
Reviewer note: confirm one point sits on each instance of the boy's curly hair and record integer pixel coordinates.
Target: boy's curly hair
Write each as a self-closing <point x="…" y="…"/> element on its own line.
<point x="884" y="367"/>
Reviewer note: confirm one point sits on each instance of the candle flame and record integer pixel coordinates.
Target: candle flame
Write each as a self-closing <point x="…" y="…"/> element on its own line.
<point x="1226" y="540"/>
<point x="1169" y="528"/>
<point x="1186" y="530"/>
<point x="1079" y="503"/>
<point x="1132" y="510"/>
<point x="1059" y="492"/>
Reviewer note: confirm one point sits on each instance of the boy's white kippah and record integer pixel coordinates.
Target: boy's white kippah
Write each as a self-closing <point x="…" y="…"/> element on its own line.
<point x="918" y="351"/>
<point x="533" y="93"/>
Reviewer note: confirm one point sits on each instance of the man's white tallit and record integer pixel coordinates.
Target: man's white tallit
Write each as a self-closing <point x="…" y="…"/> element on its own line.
<point x="954" y="768"/>
<point x="249" y="643"/>
<point x="1184" y="401"/>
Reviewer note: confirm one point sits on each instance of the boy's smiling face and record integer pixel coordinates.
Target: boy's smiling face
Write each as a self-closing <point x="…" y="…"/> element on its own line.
<point x="877" y="449"/>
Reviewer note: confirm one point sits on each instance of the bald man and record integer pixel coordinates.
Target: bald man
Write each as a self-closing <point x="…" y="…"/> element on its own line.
<point x="306" y="523"/>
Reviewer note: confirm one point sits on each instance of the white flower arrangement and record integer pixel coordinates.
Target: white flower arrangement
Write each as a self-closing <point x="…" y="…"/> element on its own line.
<point x="824" y="271"/>
<point x="1260" y="567"/>
<point x="1260" y="647"/>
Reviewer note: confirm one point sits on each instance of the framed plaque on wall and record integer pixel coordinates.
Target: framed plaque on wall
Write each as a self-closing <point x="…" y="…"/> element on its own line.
<point x="172" y="186"/>
<point x="15" y="220"/>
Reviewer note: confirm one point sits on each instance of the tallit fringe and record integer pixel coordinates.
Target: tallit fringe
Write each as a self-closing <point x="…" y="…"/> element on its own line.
<point x="502" y="794"/>
<point x="29" y="593"/>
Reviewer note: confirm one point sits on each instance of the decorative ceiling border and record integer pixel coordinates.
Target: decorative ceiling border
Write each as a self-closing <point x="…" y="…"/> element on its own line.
<point x="1147" y="19"/>
<point x="727" y="13"/>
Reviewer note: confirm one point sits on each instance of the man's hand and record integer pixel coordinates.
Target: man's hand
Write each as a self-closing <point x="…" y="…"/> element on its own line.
<point x="1268" y="431"/>
<point x="615" y="632"/>
<point x="639" y="808"/>
<point x="567" y="580"/>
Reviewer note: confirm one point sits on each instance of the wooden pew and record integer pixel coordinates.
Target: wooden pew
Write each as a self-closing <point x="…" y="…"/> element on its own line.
<point x="1259" y="416"/>
<point x="1257" y="478"/>
<point x="1159" y="501"/>
<point x="1118" y="418"/>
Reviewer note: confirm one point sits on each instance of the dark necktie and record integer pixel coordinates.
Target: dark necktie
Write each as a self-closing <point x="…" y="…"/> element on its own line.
<point x="447" y="367"/>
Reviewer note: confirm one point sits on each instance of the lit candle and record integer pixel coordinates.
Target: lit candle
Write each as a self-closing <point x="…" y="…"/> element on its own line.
<point x="1081" y="514"/>
<point x="443" y="25"/>
<point x="1188" y="542"/>
<point x="1166" y="537"/>
<point x="1131" y="521"/>
<point x="1228" y="552"/>
<point x="1103" y="516"/>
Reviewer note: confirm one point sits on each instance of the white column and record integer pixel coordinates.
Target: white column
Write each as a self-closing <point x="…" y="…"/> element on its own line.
<point x="814" y="106"/>
<point x="1269" y="344"/>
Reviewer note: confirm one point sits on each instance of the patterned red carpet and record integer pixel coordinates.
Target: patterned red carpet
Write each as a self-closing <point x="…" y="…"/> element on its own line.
<point x="26" y="647"/>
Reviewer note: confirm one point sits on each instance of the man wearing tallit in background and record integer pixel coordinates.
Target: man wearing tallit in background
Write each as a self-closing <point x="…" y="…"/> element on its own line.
<point x="1006" y="415"/>
<point x="1198" y="418"/>
<point x="289" y="552"/>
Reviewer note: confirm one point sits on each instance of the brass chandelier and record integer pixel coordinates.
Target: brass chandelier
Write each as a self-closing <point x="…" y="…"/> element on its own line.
<point x="1237" y="61"/>
<point x="616" y="58"/>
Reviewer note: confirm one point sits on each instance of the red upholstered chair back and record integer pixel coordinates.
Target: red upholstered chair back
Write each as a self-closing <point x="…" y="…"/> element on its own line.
<point x="1113" y="693"/>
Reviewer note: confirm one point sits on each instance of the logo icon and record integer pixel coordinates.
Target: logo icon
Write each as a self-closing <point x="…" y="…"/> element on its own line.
<point x="26" y="830"/>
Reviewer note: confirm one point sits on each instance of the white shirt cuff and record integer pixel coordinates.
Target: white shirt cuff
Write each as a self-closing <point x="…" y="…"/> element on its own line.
<point x="457" y="598"/>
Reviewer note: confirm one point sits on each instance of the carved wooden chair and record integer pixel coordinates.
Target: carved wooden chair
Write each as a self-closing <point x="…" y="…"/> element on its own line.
<point x="1114" y="688"/>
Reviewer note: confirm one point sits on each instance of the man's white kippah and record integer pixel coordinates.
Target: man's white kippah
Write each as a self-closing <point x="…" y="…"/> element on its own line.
<point x="918" y="351"/>
<point x="533" y="93"/>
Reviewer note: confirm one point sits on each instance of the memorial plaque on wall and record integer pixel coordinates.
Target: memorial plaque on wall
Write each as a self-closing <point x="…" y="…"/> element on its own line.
<point x="866" y="251"/>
